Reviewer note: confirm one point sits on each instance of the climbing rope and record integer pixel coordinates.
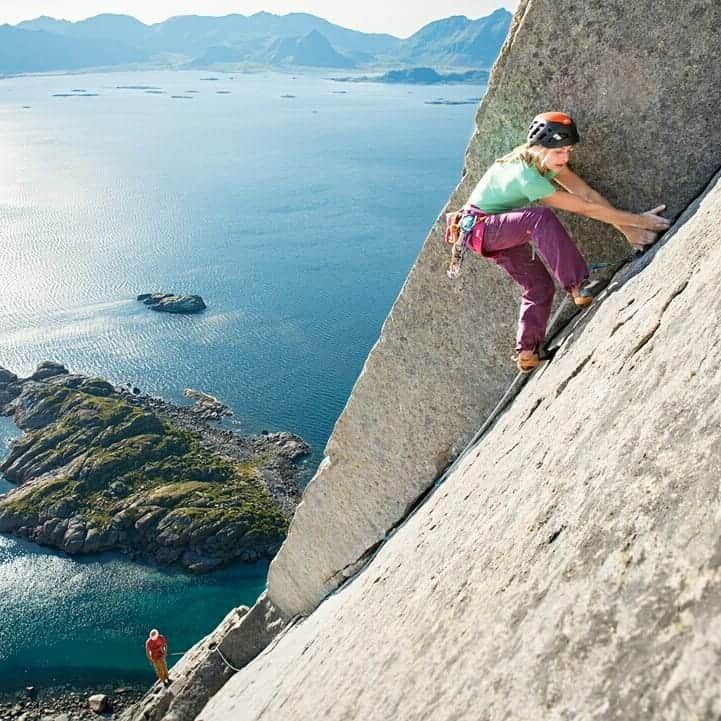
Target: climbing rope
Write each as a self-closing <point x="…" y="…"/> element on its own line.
<point x="225" y="660"/>
<point x="215" y="647"/>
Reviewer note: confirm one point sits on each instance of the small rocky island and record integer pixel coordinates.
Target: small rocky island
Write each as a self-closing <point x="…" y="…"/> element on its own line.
<point x="172" y="302"/>
<point x="419" y="76"/>
<point x="102" y="468"/>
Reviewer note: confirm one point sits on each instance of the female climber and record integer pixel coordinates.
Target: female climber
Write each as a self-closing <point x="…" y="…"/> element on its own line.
<point x="509" y="231"/>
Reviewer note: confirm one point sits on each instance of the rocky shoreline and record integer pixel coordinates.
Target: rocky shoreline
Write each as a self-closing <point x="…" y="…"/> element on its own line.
<point x="102" y="467"/>
<point x="281" y="450"/>
<point x="65" y="703"/>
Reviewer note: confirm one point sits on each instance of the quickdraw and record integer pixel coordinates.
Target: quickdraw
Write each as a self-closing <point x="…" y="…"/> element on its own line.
<point x="459" y="230"/>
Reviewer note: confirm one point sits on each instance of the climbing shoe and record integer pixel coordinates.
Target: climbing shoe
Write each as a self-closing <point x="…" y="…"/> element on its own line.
<point x="581" y="295"/>
<point x="527" y="360"/>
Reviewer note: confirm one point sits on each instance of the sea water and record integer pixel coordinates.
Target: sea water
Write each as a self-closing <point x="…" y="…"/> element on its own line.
<point x="295" y="205"/>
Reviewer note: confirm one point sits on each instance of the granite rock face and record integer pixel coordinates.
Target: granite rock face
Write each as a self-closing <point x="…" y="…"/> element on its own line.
<point x="570" y="573"/>
<point x="570" y="567"/>
<point x="642" y="80"/>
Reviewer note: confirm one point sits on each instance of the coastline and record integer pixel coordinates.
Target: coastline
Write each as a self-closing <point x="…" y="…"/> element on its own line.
<point x="104" y="467"/>
<point x="356" y="76"/>
<point x="208" y="341"/>
<point x="65" y="702"/>
<point x="64" y="696"/>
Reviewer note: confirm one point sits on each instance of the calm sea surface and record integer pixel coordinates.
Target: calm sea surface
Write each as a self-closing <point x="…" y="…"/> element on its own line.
<point x="296" y="218"/>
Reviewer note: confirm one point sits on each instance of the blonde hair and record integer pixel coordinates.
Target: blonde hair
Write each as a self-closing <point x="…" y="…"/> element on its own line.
<point x="524" y="153"/>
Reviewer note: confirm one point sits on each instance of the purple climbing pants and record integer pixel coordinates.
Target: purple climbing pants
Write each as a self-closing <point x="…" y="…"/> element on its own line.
<point x="509" y="240"/>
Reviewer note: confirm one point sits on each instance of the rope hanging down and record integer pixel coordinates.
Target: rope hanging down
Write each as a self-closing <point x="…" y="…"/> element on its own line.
<point x="215" y="647"/>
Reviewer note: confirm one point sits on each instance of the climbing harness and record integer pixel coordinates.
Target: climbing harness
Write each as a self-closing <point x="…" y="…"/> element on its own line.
<point x="459" y="234"/>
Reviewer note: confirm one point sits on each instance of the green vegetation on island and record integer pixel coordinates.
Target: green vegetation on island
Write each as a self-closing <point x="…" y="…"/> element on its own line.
<point x="101" y="468"/>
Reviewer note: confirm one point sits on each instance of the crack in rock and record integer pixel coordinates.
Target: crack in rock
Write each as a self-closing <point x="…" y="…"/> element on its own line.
<point x="576" y="371"/>
<point x="625" y="320"/>
<point x="534" y="408"/>
<point x="555" y="535"/>
<point x="344" y="574"/>
<point x="657" y="324"/>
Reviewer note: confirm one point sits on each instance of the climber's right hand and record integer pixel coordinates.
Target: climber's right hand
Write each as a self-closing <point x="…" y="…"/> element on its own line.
<point x="651" y="220"/>
<point x="638" y="238"/>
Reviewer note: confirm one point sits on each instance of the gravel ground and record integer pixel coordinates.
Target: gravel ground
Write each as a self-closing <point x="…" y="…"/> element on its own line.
<point x="64" y="703"/>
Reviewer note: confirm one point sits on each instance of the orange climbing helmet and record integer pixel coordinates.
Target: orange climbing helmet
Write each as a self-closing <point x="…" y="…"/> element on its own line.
<point x="553" y="130"/>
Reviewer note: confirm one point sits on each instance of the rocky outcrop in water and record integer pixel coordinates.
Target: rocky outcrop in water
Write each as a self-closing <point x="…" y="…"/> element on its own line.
<point x="102" y="468"/>
<point x="173" y="302"/>
<point x="207" y="406"/>
<point x="419" y="76"/>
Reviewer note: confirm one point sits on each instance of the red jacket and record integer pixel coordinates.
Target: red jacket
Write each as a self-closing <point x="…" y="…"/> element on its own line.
<point x="156" y="647"/>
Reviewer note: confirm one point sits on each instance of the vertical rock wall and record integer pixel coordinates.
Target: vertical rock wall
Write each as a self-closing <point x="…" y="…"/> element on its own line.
<point x="642" y="80"/>
<point x="570" y="567"/>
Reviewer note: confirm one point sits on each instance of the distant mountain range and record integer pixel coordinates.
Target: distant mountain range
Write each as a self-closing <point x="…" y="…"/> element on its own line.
<point x="458" y="42"/>
<point x="296" y="39"/>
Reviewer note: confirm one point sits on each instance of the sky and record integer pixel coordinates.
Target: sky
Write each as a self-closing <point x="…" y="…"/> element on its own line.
<point x="397" y="17"/>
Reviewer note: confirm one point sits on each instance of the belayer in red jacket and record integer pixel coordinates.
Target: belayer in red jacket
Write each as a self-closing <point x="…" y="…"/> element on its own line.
<point x="156" y="649"/>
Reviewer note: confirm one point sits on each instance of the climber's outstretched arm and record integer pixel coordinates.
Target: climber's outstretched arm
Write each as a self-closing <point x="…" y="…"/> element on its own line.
<point x="576" y="185"/>
<point x="639" y="236"/>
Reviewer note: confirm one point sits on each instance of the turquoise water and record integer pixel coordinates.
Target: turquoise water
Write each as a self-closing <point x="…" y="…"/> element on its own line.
<point x="296" y="219"/>
<point x="86" y="620"/>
